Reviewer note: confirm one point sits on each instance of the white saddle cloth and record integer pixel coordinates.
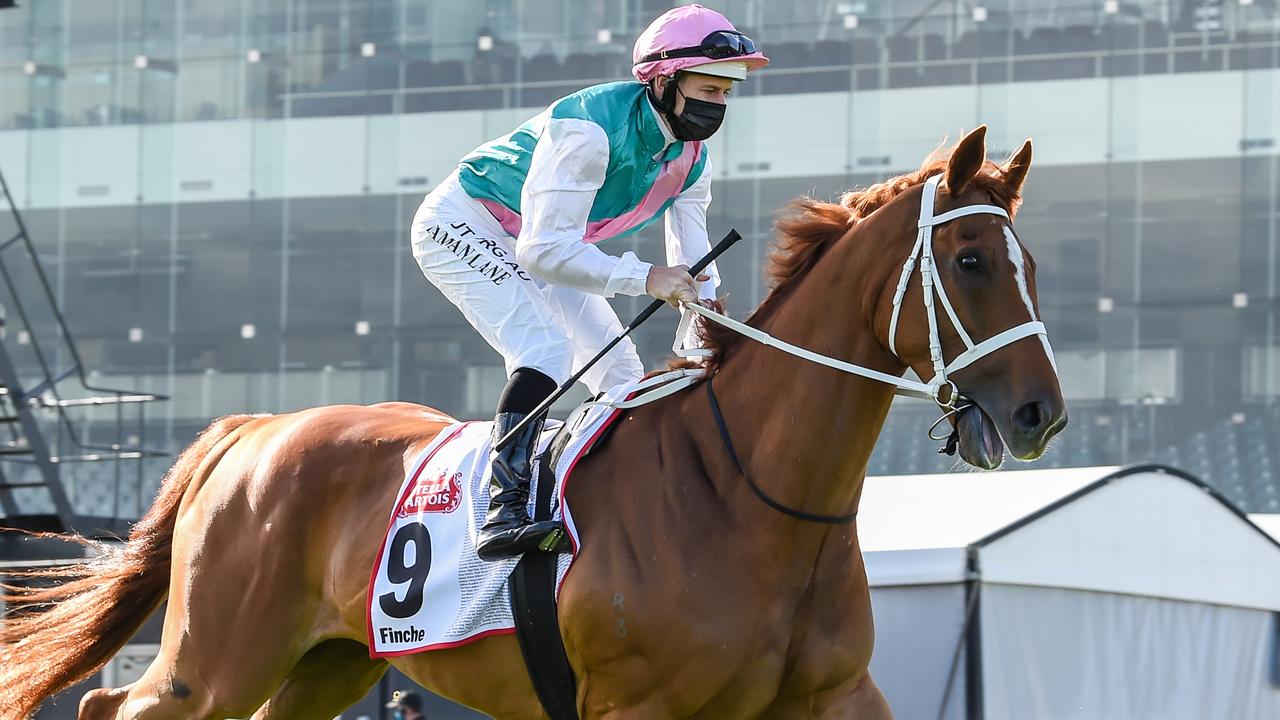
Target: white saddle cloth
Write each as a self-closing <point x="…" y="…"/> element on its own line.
<point x="428" y="589"/>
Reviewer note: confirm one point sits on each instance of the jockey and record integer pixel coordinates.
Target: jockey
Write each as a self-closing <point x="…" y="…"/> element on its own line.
<point x="510" y="236"/>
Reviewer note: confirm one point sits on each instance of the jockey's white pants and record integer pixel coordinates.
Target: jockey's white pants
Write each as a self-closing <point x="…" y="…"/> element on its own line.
<point x="465" y="253"/>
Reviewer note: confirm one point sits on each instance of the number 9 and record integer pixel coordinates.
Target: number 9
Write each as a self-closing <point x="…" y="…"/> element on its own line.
<point x="399" y="573"/>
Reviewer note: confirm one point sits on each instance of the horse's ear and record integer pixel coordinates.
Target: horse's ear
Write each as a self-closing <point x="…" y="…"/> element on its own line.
<point x="1015" y="171"/>
<point x="966" y="160"/>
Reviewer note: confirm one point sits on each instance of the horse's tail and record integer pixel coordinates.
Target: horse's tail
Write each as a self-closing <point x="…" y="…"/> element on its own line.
<point x="65" y="623"/>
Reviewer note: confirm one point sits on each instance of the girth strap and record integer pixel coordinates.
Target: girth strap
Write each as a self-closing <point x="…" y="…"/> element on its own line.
<point x="532" y="589"/>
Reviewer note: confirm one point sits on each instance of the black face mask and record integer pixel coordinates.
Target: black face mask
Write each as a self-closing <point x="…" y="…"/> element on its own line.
<point x="699" y="120"/>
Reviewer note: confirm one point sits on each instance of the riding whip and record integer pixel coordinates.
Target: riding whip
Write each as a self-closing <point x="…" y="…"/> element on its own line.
<point x="698" y="267"/>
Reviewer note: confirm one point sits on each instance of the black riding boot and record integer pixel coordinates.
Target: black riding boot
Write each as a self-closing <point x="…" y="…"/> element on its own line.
<point x="507" y="530"/>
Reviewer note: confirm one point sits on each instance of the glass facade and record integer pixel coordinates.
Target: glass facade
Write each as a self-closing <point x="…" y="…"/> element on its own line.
<point x="221" y="192"/>
<point x="74" y="62"/>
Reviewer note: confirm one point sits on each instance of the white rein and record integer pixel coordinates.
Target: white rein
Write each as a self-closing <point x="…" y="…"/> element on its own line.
<point x="931" y="282"/>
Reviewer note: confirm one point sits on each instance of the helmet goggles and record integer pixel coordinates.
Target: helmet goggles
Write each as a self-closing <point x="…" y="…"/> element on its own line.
<point x="719" y="45"/>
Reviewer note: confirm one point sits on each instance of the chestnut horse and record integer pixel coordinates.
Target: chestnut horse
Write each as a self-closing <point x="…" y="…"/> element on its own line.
<point x="691" y="598"/>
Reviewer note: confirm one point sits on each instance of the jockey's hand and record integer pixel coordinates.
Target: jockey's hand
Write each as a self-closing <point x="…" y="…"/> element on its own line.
<point x="673" y="285"/>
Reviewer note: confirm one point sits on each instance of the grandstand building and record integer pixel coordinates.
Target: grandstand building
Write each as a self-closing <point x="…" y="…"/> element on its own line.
<point x="221" y="191"/>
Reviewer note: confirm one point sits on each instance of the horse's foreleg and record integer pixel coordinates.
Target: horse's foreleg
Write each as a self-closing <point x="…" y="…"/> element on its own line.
<point x="330" y="678"/>
<point x="642" y="712"/>
<point x="488" y="675"/>
<point x="866" y="702"/>
<point x="853" y="700"/>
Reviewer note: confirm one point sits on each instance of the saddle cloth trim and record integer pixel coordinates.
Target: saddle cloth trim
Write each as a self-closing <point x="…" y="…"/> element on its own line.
<point x="570" y="525"/>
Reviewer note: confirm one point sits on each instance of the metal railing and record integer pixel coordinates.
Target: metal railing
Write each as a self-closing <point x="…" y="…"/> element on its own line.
<point x="30" y="411"/>
<point x="1101" y="62"/>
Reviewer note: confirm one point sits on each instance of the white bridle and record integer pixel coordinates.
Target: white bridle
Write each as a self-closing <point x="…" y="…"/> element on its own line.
<point x="931" y="283"/>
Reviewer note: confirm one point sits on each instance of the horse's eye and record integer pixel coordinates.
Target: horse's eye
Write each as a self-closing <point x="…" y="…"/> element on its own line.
<point x="970" y="263"/>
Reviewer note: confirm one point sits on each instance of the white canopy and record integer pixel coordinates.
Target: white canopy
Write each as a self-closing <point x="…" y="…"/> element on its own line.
<point x="1269" y="522"/>
<point x="1147" y="530"/>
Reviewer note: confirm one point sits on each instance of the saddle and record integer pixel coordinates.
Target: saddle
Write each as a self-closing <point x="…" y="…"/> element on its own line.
<point x="429" y="590"/>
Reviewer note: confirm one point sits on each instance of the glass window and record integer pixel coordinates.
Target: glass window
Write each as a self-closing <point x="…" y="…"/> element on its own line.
<point x="1153" y="262"/>
<point x="1262" y="372"/>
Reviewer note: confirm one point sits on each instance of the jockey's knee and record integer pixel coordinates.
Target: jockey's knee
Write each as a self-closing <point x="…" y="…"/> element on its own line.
<point x="525" y="390"/>
<point x="553" y="358"/>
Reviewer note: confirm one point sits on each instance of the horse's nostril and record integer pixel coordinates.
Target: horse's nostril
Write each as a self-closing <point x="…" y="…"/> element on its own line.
<point x="1030" y="418"/>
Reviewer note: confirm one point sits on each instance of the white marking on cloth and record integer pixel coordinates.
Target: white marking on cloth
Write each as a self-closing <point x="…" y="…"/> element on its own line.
<point x="1020" y="275"/>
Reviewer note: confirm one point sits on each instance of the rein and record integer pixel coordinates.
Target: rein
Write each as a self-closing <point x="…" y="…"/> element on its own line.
<point x="931" y="282"/>
<point x="764" y="497"/>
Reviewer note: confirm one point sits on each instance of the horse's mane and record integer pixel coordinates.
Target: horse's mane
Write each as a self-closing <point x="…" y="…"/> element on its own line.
<point x="806" y="228"/>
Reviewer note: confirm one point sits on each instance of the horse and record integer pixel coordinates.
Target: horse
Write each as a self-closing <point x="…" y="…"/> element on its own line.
<point x="690" y="598"/>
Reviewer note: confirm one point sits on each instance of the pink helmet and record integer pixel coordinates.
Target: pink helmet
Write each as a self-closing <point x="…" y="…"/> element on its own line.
<point x="692" y="36"/>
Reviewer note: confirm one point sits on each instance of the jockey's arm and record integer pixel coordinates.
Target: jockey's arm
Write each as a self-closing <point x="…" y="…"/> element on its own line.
<point x="567" y="168"/>
<point x="687" y="242"/>
<point x="686" y="225"/>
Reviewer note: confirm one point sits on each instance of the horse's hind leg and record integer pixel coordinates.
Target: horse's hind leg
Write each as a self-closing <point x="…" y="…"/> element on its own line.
<point x="330" y="678"/>
<point x="102" y="703"/>
<point x="218" y="657"/>
<point x="177" y="690"/>
<point x="241" y="614"/>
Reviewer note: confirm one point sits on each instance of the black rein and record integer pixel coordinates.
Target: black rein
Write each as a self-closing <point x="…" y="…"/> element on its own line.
<point x="733" y="455"/>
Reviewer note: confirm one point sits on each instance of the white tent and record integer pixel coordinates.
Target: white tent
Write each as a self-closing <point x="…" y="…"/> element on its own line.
<point x="1093" y="593"/>
<point x="1270" y="522"/>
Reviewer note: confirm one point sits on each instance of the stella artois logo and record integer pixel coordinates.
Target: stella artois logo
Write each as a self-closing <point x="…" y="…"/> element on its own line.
<point x="440" y="494"/>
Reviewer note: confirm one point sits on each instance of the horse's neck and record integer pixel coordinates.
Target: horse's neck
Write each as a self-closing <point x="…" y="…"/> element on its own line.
<point x="805" y="432"/>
